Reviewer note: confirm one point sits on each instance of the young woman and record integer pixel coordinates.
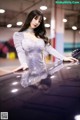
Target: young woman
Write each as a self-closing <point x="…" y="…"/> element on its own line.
<point x="30" y="43"/>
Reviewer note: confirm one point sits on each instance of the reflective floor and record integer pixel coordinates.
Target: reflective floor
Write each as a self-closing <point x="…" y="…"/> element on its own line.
<point x="54" y="98"/>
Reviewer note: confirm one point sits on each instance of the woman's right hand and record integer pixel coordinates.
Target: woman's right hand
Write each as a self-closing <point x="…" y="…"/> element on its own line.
<point x="25" y="67"/>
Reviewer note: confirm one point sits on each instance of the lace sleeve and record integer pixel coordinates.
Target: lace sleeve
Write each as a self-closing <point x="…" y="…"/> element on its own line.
<point x="17" y="38"/>
<point x="53" y="52"/>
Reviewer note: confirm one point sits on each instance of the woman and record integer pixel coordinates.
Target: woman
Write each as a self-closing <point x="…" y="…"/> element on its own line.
<point x="30" y="43"/>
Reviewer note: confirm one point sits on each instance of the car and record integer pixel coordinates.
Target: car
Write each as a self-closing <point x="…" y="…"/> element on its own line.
<point x="76" y="54"/>
<point x="55" y="98"/>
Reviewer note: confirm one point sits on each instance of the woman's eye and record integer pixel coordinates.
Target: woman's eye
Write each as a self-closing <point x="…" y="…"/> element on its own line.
<point x="36" y="18"/>
<point x="39" y="21"/>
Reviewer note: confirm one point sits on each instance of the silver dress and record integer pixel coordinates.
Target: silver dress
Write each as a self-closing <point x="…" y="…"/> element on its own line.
<point x="31" y="52"/>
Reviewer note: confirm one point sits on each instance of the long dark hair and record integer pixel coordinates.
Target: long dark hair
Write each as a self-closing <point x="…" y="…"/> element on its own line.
<point x="40" y="30"/>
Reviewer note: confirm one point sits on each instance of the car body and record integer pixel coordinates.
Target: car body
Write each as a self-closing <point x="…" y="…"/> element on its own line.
<point x="55" y="98"/>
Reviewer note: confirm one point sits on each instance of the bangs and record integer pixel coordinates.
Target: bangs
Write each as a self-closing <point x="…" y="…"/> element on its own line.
<point x="37" y="16"/>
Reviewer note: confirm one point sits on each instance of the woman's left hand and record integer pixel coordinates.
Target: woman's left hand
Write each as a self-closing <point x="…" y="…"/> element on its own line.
<point x="70" y="59"/>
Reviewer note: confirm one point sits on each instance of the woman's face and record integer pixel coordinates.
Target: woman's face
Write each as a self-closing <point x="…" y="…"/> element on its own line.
<point x="35" y="22"/>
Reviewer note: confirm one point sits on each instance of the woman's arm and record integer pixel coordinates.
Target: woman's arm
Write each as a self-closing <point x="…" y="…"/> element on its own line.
<point x="17" y="38"/>
<point x="55" y="53"/>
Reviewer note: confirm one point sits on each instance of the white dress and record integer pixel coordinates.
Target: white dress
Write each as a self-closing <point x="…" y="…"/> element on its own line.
<point x="31" y="52"/>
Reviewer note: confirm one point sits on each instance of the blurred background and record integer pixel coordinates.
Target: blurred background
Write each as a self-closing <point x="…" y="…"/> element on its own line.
<point x="62" y="22"/>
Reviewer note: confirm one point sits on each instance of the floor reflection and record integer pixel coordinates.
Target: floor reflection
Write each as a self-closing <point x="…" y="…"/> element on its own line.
<point x="42" y="79"/>
<point x="35" y="81"/>
<point x="56" y="96"/>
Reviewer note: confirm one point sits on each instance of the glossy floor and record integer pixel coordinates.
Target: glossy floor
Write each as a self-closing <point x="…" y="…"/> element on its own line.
<point x="55" y="98"/>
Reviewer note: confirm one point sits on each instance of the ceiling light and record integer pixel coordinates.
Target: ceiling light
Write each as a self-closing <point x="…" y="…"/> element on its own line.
<point x="47" y="25"/>
<point x="68" y="67"/>
<point x="77" y="117"/>
<point x="74" y="27"/>
<point x="18" y="76"/>
<point x="9" y="25"/>
<point x="14" y="90"/>
<point x="52" y="76"/>
<point x="43" y="7"/>
<point x="2" y="11"/>
<point x="64" y="20"/>
<point x="14" y="83"/>
<point x="19" y="23"/>
<point x="44" y="18"/>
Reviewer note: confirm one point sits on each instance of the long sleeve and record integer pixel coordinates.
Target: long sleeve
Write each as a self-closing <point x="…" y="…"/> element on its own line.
<point x="17" y="38"/>
<point x="53" y="52"/>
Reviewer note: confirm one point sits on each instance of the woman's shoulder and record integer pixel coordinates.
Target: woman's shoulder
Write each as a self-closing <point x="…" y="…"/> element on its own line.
<point x="17" y="35"/>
